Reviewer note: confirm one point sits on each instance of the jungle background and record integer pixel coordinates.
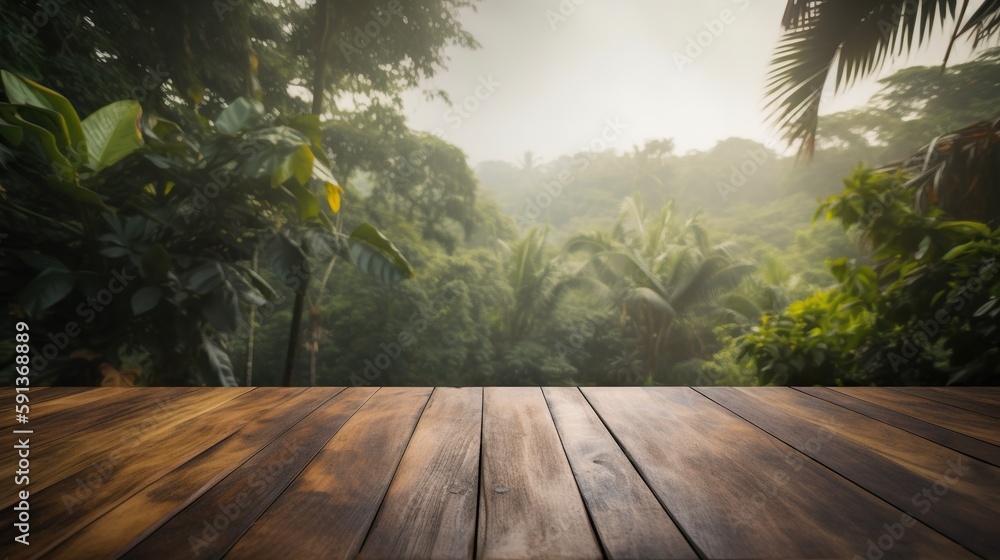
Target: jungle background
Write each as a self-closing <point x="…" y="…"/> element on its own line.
<point x="223" y="193"/>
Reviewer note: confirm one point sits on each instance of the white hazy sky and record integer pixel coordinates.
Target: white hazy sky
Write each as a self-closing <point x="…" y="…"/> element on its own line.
<point x="614" y="59"/>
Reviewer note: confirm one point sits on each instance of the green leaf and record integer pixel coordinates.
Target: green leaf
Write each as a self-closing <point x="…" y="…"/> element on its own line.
<point x="239" y="115"/>
<point x="374" y="254"/>
<point x="164" y="129"/>
<point x="44" y="144"/>
<point x="145" y="298"/>
<point x="298" y="164"/>
<point x="222" y="309"/>
<point x="12" y="133"/>
<point x="156" y="264"/>
<point x="976" y="227"/>
<point x="45" y="118"/>
<point x="957" y="251"/>
<point x="112" y="133"/>
<point x="306" y="124"/>
<point x="285" y="255"/>
<point x="925" y="244"/>
<point x="246" y="291"/>
<point x="46" y="290"/>
<point x="22" y="90"/>
<point x="308" y="203"/>
<point x="259" y="283"/>
<point x="985" y="308"/>
<point x="217" y="362"/>
<point x="205" y="278"/>
<point x="269" y="149"/>
<point x="39" y="261"/>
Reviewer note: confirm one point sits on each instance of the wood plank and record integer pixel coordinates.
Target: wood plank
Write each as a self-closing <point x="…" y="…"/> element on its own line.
<point x="70" y="504"/>
<point x="210" y="525"/>
<point x="38" y="395"/>
<point x="151" y="506"/>
<point x="979" y="426"/>
<point x="429" y="510"/>
<point x="53" y="428"/>
<point x="101" y="444"/>
<point x="950" y="492"/>
<point x="8" y="392"/>
<point x="630" y="521"/>
<point x="328" y="509"/>
<point x="738" y="492"/>
<point x="959" y="442"/>
<point x="529" y="503"/>
<point x="45" y="408"/>
<point x="967" y="400"/>
<point x="990" y="395"/>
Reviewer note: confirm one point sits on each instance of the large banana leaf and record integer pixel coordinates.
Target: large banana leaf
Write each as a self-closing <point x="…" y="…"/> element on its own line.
<point x="21" y="90"/>
<point x="112" y="133"/>
<point x="240" y="115"/>
<point x="374" y="254"/>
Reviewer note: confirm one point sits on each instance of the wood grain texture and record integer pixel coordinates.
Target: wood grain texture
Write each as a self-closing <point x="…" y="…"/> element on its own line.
<point x="972" y="399"/>
<point x="38" y="395"/>
<point x="430" y="508"/>
<point x="329" y="507"/>
<point x="92" y="448"/>
<point x="11" y="390"/>
<point x="43" y="408"/>
<point x="630" y="521"/>
<point x="72" y="503"/>
<point x="959" y="442"/>
<point x="510" y="472"/>
<point x="529" y="503"/>
<point x="216" y="520"/>
<point x="955" y="495"/>
<point x="92" y="415"/>
<point x="151" y="506"/>
<point x="738" y="492"/>
<point x="972" y="424"/>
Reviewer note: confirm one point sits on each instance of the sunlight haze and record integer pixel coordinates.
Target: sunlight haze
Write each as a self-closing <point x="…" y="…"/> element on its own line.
<point x="560" y="77"/>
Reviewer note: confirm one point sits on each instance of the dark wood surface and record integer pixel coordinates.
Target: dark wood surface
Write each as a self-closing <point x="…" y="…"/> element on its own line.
<point x="522" y="472"/>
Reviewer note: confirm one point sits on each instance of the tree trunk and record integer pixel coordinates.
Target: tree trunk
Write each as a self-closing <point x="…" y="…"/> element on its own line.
<point x="293" y="335"/>
<point x="319" y="86"/>
<point x="321" y="45"/>
<point x="315" y="326"/>
<point x="253" y="320"/>
<point x="314" y="333"/>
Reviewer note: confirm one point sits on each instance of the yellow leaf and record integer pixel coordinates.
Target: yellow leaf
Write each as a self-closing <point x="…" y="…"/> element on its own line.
<point x="303" y="164"/>
<point x="169" y="187"/>
<point x="333" y="193"/>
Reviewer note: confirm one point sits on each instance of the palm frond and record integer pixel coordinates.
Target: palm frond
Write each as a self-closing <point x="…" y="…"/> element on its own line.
<point x="710" y="283"/>
<point x="984" y="24"/>
<point x="858" y="35"/>
<point x="648" y="300"/>
<point x="589" y="243"/>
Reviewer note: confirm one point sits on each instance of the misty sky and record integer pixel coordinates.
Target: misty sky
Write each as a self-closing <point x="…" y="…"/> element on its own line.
<point x="554" y="90"/>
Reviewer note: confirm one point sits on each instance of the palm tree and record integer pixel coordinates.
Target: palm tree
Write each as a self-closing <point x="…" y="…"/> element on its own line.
<point x="534" y="278"/>
<point x="859" y="36"/>
<point x="664" y="276"/>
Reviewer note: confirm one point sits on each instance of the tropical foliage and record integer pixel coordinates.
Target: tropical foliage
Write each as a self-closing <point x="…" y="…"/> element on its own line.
<point x="230" y="193"/>
<point x="130" y="236"/>
<point x="925" y="312"/>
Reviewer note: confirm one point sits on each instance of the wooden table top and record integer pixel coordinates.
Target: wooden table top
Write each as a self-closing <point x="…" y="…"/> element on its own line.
<point x="520" y="472"/>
